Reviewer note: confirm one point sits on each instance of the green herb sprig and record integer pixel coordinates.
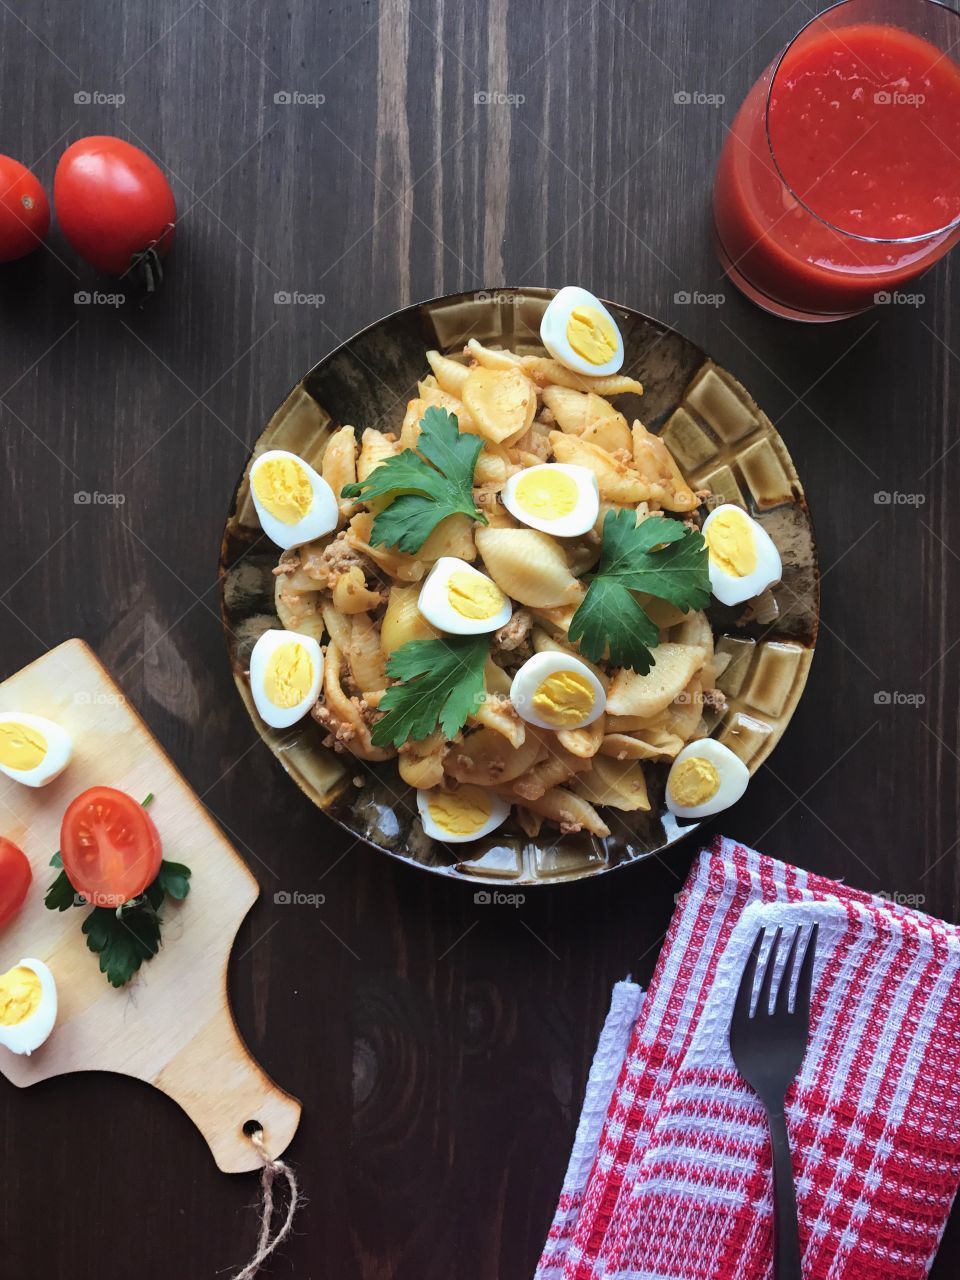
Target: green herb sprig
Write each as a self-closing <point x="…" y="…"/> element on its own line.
<point x="422" y="493"/>
<point x="442" y="684"/>
<point x="658" y="557"/>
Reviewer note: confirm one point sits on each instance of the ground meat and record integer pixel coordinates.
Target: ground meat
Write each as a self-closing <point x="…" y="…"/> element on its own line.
<point x="337" y="558"/>
<point x="339" y="735"/>
<point x="570" y="828"/>
<point x="715" y="700"/>
<point x="513" y="633"/>
<point x="290" y="562"/>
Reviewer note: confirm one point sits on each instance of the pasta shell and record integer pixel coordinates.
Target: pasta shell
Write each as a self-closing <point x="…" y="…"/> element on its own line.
<point x="619" y="784"/>
<point x="403" y="621"/>
<point x="571" y="811"/>
<point x="499" y="715"/>
<point x="656" y="464"/>
<point x="632" y="694"/>
<point x="450" y="374"/>
<point x="367" y="662"/>
<point x="350" y="592"/>
<point x="528" y="565"/>
<point x="375" y="448"/>
<point x="546" y="372"/>
<point x="451" y="537"/>
<point x="339" y="466"/>
<point x="486" y="758"/>
<point x="502" y="402"/>
<point x="421" y="763"/>
<point x="582" y="742"/>
<point x="490" y="357"/>
<point x="618" y="481"/>
<point x="298" y="610"/>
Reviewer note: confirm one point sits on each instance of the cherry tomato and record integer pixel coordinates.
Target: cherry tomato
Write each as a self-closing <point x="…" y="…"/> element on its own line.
<point x="113" y="203"/>
<point x="109" y="846"/>
<point x="15" y="877"/>
<point x="24" y="210"/>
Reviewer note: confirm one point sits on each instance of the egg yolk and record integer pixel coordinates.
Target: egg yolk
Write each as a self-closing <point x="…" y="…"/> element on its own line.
<point x="289" y="675"/>
<point x="730" y="542"/>
<point x="21" y="747"/>
<point x="694" y="781"/>
<point x="20" y="992"/>
<point x="472" y="595"/>
<point x="460" y="812"/>
<point x="564" y="699"/>
<point x="547" y="495"/>
<point x="591" y="335"/>
<point x="284" y="489"/>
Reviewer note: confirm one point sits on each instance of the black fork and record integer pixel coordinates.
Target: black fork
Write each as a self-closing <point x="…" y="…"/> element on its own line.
<point x="768" y="1049"/>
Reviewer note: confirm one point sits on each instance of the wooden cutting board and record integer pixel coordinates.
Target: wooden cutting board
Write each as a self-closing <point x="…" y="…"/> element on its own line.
<point x="171" y="1025"/>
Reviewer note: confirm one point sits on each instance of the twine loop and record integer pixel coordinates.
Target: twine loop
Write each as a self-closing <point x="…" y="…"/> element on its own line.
<point x="269" y="1241"/>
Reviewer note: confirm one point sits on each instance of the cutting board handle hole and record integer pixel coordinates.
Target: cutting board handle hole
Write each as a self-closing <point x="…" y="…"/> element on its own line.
<point x="251" y="1127"/>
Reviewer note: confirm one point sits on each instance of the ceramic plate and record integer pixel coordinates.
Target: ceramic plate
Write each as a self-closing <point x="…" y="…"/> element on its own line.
<point x="721" y="439"/>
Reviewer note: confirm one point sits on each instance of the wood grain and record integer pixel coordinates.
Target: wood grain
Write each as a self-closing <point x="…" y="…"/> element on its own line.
<point x="440" y="1047"/>
<point x="172" y="1027"/>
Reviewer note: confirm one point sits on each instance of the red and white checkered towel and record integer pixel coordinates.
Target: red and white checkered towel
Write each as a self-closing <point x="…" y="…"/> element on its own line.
<point x="670" y="1173"/>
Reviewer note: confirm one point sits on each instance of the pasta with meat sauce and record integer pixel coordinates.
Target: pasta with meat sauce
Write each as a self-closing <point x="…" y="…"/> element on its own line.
<point x="363" y="599"/>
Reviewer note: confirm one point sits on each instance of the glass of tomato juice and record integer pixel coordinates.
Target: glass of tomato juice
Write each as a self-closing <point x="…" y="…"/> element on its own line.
<point x="839" y="180"/>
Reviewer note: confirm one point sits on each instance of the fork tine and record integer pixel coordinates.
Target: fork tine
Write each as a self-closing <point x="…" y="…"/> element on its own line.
<point x="805" y="980"/>
<point x="782" y="1005"/>
<point x="763" y="1000"/>
<point x="741" y="1009"/>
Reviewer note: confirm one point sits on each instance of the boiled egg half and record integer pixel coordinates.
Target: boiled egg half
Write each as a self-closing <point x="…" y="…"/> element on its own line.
<point x="286" y="669"/>
<point x="555" y="497"/>
<point x="294" y="503"/>
<point x="557" y="691"/>
<point x="579" y="331"/>
<point x="459" y="599"/>
<point x="463" y="814"/>
<point x="33" y="750"/>
<point x="742" y="557"/>
<point x="704" y="778"/>
<point x="28" y="1006"/>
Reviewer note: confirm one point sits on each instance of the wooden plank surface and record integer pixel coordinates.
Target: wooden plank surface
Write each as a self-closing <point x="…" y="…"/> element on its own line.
<point x="440" y="1046"/>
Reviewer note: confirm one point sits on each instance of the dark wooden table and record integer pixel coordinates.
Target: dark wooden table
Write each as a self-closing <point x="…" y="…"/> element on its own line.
<point x="440" y="1048"/>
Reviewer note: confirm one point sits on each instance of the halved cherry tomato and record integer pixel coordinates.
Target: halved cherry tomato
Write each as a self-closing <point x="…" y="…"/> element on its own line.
<point x="109" y="846"/>
<point x="24" y="210"/>
<point x="15" y="877"/>
<point x="113" y="203"/>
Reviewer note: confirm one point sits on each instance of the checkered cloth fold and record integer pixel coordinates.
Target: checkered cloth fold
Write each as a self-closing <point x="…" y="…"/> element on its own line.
<point x="670" y="1174"/>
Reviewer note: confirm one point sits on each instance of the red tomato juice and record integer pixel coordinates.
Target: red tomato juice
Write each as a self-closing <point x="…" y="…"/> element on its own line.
<point x="856" y="188"/>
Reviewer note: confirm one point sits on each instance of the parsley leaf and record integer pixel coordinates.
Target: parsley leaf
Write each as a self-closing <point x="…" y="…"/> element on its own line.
<point x="422" y="495"/>
<point x="123" y="938"/>
<point x="173" y="879"/>
<point x="443" y="683"/>
<point x="61" y="895"/>
<point x="660" y="557"/>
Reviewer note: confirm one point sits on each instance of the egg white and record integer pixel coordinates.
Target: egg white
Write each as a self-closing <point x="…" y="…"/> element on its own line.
<point x="578" y="521"/>
<point x="30" y="1034"/>
<point x="321" y="518"/>
<point x="282" y="717"/>
<point x="734" y="777"/>
<point x="553" y="332"/>
<point x="57" y="756"/>
<point x="435" y="606"/>
<point x="498" y="814"/>
<point x="533" y="673"/>
<point x="731" y="590"/>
